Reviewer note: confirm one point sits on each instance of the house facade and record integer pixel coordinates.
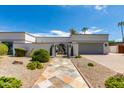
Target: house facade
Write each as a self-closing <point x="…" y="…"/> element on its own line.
<point x="74" y="44"/>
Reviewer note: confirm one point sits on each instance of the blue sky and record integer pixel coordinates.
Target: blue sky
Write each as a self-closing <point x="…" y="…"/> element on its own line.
<point x="57" y="20"/>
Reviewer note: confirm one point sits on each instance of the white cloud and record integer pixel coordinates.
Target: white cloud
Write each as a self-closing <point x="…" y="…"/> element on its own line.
<point x="41" y="34"/>
<point x="119" y="40"/>
<point x="100" y="7"/>
<point x="59" y="33"/>
<point x="92" y="30"/>
<point x="4" y="29"/>
<point x="53" y="33"/>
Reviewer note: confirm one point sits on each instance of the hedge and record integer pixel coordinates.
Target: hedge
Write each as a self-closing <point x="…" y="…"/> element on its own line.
<point x="3" y="49"/>
<point x="20" y="52"/>
<point x="41" y="55"/>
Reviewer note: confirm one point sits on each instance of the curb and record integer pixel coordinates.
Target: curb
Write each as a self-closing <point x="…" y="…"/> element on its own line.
<point x="87" y="82"/>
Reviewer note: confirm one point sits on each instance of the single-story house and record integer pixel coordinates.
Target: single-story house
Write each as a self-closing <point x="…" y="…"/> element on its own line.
<point x="74" y="44"/>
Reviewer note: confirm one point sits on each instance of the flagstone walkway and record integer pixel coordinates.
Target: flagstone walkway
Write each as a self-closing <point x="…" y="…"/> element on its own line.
<point x="60" y="73"/>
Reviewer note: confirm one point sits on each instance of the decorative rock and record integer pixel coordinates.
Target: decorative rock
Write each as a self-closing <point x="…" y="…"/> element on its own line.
<point x="17" y="62"/>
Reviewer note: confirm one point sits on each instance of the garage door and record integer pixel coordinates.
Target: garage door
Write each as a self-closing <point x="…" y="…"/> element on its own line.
<point x="90" y="48"/>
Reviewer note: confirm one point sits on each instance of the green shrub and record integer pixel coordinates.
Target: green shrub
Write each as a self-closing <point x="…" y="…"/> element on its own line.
<point x="3" y="49"/>
<point x="79" y="56"/>
<point x="20" y="52"/>
<point x="32" y="66"/>
<point x="90" y="64"/>
<point x="116" y="81"/>
<point x="39" y="65"/>
<point x="40" y="55"/>
<point x="9" y="82"/>
<point x="35" y="64"/>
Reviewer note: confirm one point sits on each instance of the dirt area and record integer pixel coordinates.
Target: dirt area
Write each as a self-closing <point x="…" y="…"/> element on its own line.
<point x="19" y="71"/>
<point x="95" y="75"/>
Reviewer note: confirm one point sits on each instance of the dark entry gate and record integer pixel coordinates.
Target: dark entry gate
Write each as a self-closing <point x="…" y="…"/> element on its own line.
<point x="121" y="48"/>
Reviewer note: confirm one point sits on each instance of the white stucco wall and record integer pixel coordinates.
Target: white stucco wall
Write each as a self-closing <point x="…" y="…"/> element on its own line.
<point x="9" y="36"/>
<point x="29" y="38"/>
<point x="113" y="49"/>
<point x="17" y="37"/>
<point x="106" y="48"/>
<point x="52" y="39"/>
<point x="75" y="49"/>
<point x="30" y="46"/>
<point x="90" y="38"/>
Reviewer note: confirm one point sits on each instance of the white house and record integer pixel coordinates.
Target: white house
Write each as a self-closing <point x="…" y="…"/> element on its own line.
<point x="75" y="44"/>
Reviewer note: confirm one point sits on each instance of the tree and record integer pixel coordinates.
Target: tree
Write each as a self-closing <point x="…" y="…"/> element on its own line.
<point x="121" y="24"/>
<point x="84" y="29"/>
<point x="73" y="31"/>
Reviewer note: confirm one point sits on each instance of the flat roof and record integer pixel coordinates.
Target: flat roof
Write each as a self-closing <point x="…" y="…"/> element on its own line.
<point x="52" y="36"/>
<point x="20" y="32"/>
<point x="91" y="34"/>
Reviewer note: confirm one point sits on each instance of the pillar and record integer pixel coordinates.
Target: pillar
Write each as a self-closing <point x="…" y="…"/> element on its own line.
<point x="75" y="49"/>
<point x="53" y="51"/>
<point x="69" y="50"/>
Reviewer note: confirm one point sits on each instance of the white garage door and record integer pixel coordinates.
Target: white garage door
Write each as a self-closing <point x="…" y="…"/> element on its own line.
<point x="91" y="48"/>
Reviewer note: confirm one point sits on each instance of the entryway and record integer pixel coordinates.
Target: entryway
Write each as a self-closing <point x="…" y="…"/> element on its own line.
<point x="60" y="73"/>
<point x="61" y="50"/>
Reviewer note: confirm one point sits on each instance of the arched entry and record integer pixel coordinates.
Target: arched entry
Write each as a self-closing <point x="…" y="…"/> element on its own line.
<point x="62" y="50"/>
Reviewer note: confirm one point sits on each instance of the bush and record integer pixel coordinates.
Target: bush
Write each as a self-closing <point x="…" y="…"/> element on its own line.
<point x="116" y="81"/>
<point x="34" y="65"/>
<point x="40" y="55"/>
<point x="90" y="64"/>
<point x="79" y="56"/>
<point x="39" y="65"/>
<point x="20" y="52"/>
<point x="3" y="49"/>
<point x="9" y="82"/>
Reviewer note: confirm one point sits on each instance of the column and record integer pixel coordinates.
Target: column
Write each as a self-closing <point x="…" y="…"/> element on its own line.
<point x="69" y="50"/>
<point x="53" y="51"/>
<point x="13" y="49"/>
<point x="75" y="49"/>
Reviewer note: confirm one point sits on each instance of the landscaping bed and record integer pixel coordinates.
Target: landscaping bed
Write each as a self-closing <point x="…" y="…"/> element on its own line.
<point x="95" y="74"/>
<point x="19" y="71"/>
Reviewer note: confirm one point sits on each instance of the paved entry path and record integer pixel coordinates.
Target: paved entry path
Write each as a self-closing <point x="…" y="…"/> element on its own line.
<point x="60" y="73"/>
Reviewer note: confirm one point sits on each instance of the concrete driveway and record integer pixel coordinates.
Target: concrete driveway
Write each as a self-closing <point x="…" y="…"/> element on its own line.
<point x="112" y="61"/>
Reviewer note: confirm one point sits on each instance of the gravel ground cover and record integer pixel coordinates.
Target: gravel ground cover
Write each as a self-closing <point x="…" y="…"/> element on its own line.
<point x="95" y="75"/>
<point x="19" y="71"/>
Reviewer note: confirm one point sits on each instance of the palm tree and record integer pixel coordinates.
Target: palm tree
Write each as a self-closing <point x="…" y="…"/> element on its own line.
<point x="84" y="29"/>
<point x="73" y="31"/>
<point x="121" y="24"/>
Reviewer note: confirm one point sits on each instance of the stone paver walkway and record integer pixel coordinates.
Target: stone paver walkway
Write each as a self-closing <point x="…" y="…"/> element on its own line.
<point x="60" y="73"/>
